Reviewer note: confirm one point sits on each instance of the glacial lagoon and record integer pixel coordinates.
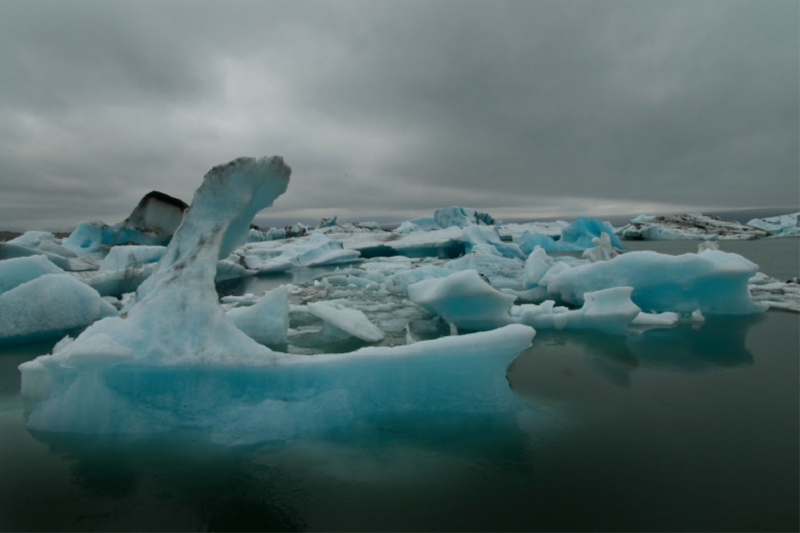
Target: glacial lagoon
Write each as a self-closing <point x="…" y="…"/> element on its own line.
<point x="694" y="427"/>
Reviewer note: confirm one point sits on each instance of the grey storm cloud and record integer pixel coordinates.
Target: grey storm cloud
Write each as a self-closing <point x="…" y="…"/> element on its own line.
<point x="525" y="108"/>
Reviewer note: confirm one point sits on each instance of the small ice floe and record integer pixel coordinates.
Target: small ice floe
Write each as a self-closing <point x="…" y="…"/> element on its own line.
<point x="351" y="321"/>
<point x="775" y="293"/>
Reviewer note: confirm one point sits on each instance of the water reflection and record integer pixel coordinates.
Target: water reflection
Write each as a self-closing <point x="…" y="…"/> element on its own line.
<point x="305" y="483"/>
<point x="718" y="343"/>
<point x="580" y="364"/>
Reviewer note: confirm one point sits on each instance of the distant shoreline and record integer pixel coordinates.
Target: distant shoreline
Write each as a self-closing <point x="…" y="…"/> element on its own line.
<point x="739" y="215"/>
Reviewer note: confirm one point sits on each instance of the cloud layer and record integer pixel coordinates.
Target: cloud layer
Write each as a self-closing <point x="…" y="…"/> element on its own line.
<point x="395" y="108"/>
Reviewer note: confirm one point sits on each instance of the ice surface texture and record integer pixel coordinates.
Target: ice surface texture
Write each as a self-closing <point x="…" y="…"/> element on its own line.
<point x="713" y="281"/>
<point x="688" y="226"/>
<point x="69" y="304"/>
<point x="300" y="394"/>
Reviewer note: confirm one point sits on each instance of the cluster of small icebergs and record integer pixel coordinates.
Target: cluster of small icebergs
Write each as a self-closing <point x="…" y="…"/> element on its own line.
<point x="458" y="290"/>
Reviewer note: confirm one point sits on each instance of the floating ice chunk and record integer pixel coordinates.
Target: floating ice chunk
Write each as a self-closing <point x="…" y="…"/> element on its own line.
<point x="444" y="243"/>
<point x="697" y="316"/>
<point x="515" y="231"/>
<point x="319" y="250"/>
<point x="327" y="222"/>
<point x="270" y="266"/>
<point x="714" y="281"/>
<point x="176" y="318"/>
<point x="418" y="224"/>
<point x="407" y="277"/>
<point x="583" y="229"/>
<point x="780" y="226"/>
<point x="529" y="241"/>
<point x="463" y="299"/>
<point x="232" y="268"/>
<point x="707" y="245"/>
<point x="316" y="250"/>
<point x="117" y="282"/>
<point x="463" y="375"/>
<point x="43" y="241"/>
<point x="152" y="222"/>
<point x="9" y="250"/>
<point x="656" y="319"/>
<point x="774" y="293"/>
<point x="15" y="272"/>
<point x="157" y="215"/>
<point x="609" y="310"/>
<point x="536" y="266"/>
<point x="495" y="268"/>
<point x="642" y="218"/>
<point x="351" y="321"/>
<point x="120" y="257"/>
<point x="603" y="250"/>
<point x="482" y="236"/>
<point x="47" y="306"/>
<point x="687" y="227"/>
<point x="267" y="321"/>
<point x="534" y="295"/>
<point x="461" y="217"/>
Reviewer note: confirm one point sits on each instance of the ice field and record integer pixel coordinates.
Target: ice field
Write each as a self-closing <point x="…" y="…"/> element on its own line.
<point x="451" y="335"/>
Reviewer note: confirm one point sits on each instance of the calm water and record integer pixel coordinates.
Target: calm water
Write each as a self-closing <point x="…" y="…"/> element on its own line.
<point x="671" y="429"/>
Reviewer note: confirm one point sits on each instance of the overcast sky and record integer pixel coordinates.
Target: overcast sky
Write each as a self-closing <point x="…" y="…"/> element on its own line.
<point x="522" y="109"/>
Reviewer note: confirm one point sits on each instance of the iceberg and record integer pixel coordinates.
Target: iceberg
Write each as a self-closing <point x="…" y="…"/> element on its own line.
<point x="418" y="224"/>
<point x="297" y="395"/>
<point x="689" y="226"/>
<point x="349" y="321"/>
<point x="529" y="241"/>
<point x="47" y="306"/>
<point x="267" y="320"/>
<point x="444" y="243"/>
<point x="12" y="250"/>
<point x="713" y="281"/>
<point x="152" y="222"/>
<point x="584" y="229"/>
<point x="774" y="293"/>
<point x="461" y="217"/>
<point x="466" y="300"/>
<point x="474" y="236"/>
<point x="121" y="257"/>
<point x="780" y="226"/>
<point x="602" y="251"/>
<point x="15" y="272"/>
<point x="609" y="310"/>
<point x="176" y="361"/>
<point x="116" y="282"/>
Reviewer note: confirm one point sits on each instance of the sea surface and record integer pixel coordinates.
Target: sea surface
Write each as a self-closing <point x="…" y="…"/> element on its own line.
<point x="691" y="428"/>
